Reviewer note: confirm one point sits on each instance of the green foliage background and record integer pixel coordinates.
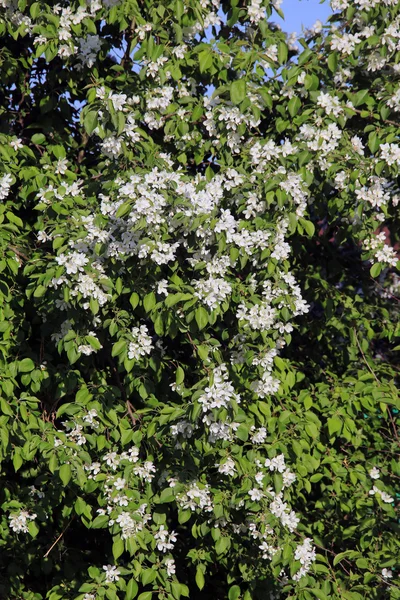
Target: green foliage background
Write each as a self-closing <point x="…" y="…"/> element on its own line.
<point x="334" y="415"/>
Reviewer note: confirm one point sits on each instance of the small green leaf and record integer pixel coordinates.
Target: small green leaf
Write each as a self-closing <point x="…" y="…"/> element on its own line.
<point x="234" y="592"/>
<point x="179" y="376"/>
<point x="148" y="576"/>
<point x="308" y="226"/>
<point x="39" y="291"/>
<point x="6" y="408"/>
<point x="26" y="365"/>
<point x="131" y="590"/>
<point x="65" y="473"/>
<point x="200" y="581"/>
<point x="17" y="460"/>
<point x="201" y="316"/>
<point x="238" y="91"/>
<point x="100" y="522"/>
<point x="118" y="548"/>
<point x="334" y="425"/>
<point x="294" y="106"/>
<point x="33" y="529"/>
<point x="282" y="53"/>
<point x="149" y="301"/>
<point x="373" y="142"/>
<point x="118" y="347"/>
<point x="333" y="62"/>
<point x="134" y="300"/>
<point x="375" y="270"/>
<point x="90" y="121"/>
<point x="205" y="60"/>
<point x="222" y="545"/>
<point x="38" y="138"/>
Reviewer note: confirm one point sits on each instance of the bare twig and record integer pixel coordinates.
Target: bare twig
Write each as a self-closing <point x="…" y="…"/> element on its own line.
<point x="364" y="357"/>
<point x="59" y="537"/>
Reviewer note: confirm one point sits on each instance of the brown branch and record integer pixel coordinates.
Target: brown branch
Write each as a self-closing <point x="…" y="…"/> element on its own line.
<point x="81" y="153"/>
<point x="131" y="413"/>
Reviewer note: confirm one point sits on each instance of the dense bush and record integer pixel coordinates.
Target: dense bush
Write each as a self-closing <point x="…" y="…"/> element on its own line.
<point x="198" y="301"/>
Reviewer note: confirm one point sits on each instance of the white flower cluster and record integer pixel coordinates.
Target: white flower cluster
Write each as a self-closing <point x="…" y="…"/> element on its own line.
<point x="196" y="498"/>
<point x="132" y="522"/>
<point x="227" y="467"/>
<point x="331" y="104"/>
<point x="376" y="194"/>
<point x="383" y="253"/>
<point x="165" y="540"/>
<point x="212" y="291"/>
<point x="385" y="497"/>
<point x="112" y="573"/>
<point x="19" y="521"/>
<point x="305" y="553"/>
<point x="220" y="393"/>
<point x="5" y="184"/>
<point x="141" y="344"/>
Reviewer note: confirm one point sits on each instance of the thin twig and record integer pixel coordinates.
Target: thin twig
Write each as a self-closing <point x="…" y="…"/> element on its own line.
<point x="395" y="432"/>
<point x="59" y="537"/>
<point x="364" y="357"/>
<point x="131" y="414"/>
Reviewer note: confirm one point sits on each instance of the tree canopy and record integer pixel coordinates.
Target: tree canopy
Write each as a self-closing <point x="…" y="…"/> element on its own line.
<point x="198" y="301"/>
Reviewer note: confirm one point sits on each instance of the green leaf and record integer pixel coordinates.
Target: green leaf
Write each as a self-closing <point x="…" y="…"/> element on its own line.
<point x="65" y="473"/>
<point x="294" y="106"/>
<point x="308" y="226"/>
<point x="149" y="301"/>
<point x="205" y="60"/>
<point x="334" y="425"/>
<point x="222" y="544"/>
<point x="100" y="522"/>
<point x="176" y="589"/>
<point x="26" y="365"/>
<point x="90" y="121"/>
<point x="350" y="554"/>
<point x="238" y="91"/>
<point x="33" y="529"/>
<point x="317" y="593"/>
<point x="333" y="62"/>
<point x="123" y="210"/>
<point x="39" y="291"/>
<point x="179" y="376"/>
<point x="312" y="430"/>
<point x="201" y="316"/>
<point x="200" y="581"/>
<point x="6" y="408"/>
<point x="118" y="548"/>
<point x="145" y="596"/>
<point x="167" y="495"/>
<point x="38" y="138"/>
<point x="360" y="97"/>
<point x="148" y="576"/>
<point x="242" y="433"/>
<point x="375" y="270"/>
<point x="234" y="592"/>
<point x="131" y="590"/>
<point x="17" y="460"/>
<point x="373" y="142"/>
<point x="119" y="347"/>
<point x="282" y="53"/>
<point x="134" y="300"/>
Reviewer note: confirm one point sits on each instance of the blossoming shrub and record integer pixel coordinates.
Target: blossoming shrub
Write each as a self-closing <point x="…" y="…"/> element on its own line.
<point x="198" y="301"/>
